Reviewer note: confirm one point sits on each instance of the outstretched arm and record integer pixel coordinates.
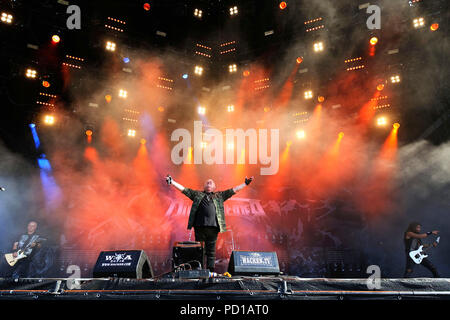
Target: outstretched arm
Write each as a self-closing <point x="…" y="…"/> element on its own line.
<point x="172" y="182"/>
<point x="420" y="235"/>
<point x="243" y="185"/>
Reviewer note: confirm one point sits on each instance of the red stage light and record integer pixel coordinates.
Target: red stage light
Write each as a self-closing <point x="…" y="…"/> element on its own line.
<point x="380" y="87"/>
<point x="373" y="41"/>
<point x="246" y="73"/>
<point x="56" y="38"/>
<point x="321" y="99"/>
<point x="299" y="60"/>
<point x="108" y="98"/>
<point x="89" y="133"/>
<point x="146" y="6"/>
<point x="434" y="26"/>
<point x="45" y="83"/>
<point x="283" y="5"/>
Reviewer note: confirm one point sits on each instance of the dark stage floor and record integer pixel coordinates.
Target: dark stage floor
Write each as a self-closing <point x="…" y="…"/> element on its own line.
<point x="222" y="288"/>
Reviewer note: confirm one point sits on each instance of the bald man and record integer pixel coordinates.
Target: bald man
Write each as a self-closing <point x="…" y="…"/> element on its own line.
<point x="207" y="215"/>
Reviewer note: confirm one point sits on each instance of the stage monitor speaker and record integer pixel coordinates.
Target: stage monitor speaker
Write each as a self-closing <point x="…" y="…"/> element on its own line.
<point x="188" y="252"/>
<point x="123" y="264"/>
<point x="253" y="263"/>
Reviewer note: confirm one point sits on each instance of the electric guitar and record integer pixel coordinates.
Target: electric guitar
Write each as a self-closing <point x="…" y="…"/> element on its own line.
<point x="11" y="260"/>
<point x="419" y="254"/>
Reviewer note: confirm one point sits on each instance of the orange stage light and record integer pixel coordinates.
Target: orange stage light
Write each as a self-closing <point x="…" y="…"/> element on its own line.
<point x="373" y="41"/>
<point x="89" y="133"/>
<point x="108" y="98"/>
<point x="341" y="135"/>
<point x="146" y="6"/>
<point x="434" y="26"/>
<point x="396" y="125"/>
<point x="321" y="99"/>
<point x="283" y="5"/>
<point x="56" y="38"/>
<point x="246" y="73"/>
<point x="143" y="141"/>
<point x="380" y="87"/>
<point x="160" y="109"/>
<point x="46" y="83"/>
<point x="299" y="60"/>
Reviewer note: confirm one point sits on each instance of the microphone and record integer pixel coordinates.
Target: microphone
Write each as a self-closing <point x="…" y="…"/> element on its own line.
<point x="2" y="189"/>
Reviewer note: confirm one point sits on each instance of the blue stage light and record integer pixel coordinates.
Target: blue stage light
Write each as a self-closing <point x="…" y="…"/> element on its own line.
<point x="185" y="76"/>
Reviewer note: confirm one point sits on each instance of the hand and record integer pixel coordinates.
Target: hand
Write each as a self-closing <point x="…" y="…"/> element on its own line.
<point x="15" y="254"/>
<point x="435" y="232"/>
<point x="247" y="181"/>
<point x="33" y="244"/>
<point x="434" y="244"/>
<point x="169" y="180"/>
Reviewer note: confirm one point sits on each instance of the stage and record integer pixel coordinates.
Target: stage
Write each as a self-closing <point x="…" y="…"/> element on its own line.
<point x="274" y="288"/>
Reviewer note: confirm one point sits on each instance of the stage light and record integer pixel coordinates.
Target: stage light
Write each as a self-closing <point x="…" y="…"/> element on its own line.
<point x="56" y="38"/>
<point x="396" y="125"/>
<point x="160" y="109"/>
<point x="31" y="73"/>
<point x="111" y="46"/>
<point x="321" y="99"/>
<point x="201" y="110"/>
<point x="308" y="94"/>
<point x="108" y="98"/>
<point x="146" y="6"/>
<point x="185" y="76"/>
<point x="45" y="83"/>
<point x="266" y="109"/>
<point x="373" y="41"/>
<point x="299" y="60"/>
<point x="395" y="79"/>
<point x="230" y="108"/>
<point x="203" y="145"/>
<point x="198" y="70"/>
<point x="143" y="141"/>
<point x="131" y="133"/>
<point x="341" y="135"/>
<point x="123" y="93"/>
<point x="418" y="22"/>
<point x="300" y="134"/>
<point x="434" y="26"/>
<point x="318" y="46"/>
<point x="380" y="86"/>
<point x="233" y="11"/>
<point x="232" y="68"/>
<point x="49" y="120"/>
<point x="89" y="133"/>
<point x="198" y="13"/>
<point x="283" y="5"/>
<point x="246" y="73"/>
<point x="6" y="18"/>
<point x="381" y="121"/>
<point x="126" y="59"/>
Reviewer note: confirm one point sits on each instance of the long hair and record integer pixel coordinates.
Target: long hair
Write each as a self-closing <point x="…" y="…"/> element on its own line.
<point x="412" y="226"/>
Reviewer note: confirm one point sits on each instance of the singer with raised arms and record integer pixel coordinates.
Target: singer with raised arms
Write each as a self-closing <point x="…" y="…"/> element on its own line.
<point x="207" y="215"/>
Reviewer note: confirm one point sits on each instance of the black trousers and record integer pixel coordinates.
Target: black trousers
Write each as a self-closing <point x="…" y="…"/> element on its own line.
<point x="410" y="264"/>
<point x="209" y="236"/>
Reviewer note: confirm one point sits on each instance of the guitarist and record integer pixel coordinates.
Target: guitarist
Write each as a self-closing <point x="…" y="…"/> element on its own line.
<point x="413" y="239"/>
<point x="28" y="241"/>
